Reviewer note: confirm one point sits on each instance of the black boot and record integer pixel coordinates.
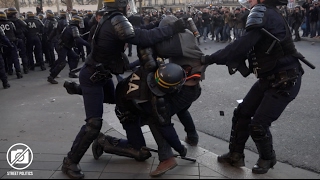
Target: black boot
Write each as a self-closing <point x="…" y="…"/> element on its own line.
<point x="5" y="84"/>
<point x="233" y="158"/>
<point x="72" y="87"/>
<point x="73" y="170"/>
<point x="82" y="142"/>
<point x="25" y="69"/>
<point x="109" y="145"/>
<point x="51" y="80"/>
<point x="43" y="68"/>
<point x="238" y="137"/>
<point x="19" y="75"/>
<point x="73" y="75"/>
<point x="263" y="140"/>
<point x="262" y="166"/>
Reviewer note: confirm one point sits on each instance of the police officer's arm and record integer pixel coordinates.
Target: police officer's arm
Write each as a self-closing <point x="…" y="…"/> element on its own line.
<point x="146" y="38"/>
<point x="236" y="52"/>
<point x="77" y="37"/>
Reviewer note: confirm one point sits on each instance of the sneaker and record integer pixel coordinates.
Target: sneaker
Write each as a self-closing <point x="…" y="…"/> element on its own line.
<point x="164" y="166"/>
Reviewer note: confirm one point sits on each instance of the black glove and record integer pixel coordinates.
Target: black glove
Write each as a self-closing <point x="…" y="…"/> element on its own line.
<point x="179" y="26"/>
<point x="206" y="59"/>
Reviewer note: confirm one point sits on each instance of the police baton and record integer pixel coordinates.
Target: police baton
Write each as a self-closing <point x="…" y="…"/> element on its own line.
<point x="76" y="70"/>
<point x="175" y="155"/>
<point x="85" y="33"/>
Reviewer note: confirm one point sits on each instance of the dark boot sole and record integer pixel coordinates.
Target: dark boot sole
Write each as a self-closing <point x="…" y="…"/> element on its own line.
<point x="65" y="171"/>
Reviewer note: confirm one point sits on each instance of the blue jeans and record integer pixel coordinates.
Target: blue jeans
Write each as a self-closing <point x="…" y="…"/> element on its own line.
<point x="226" y="32"/>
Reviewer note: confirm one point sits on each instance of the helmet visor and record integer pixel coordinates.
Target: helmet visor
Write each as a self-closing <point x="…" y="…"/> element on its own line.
<point x="131" y="8"/>
<point x="245" y="3"/>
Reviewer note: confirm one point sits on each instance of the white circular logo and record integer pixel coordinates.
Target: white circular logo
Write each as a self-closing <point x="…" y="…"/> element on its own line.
<point x="19" y="156"/>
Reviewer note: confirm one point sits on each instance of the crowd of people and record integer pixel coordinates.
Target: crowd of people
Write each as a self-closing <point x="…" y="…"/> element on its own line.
<point x="157" y="89"/>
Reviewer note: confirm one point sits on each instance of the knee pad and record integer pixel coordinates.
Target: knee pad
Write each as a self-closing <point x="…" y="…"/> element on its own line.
<point x="240" y="120"/>
<point x="258" y="133"/>
<point x="93" y="127"/>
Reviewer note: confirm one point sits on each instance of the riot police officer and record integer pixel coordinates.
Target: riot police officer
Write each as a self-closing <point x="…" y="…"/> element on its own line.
<point x="62" y="22"/>
<point x="10" y="53"/>
<point x="105" y="59"/>
<point x="273" y="58"/>
<point x="34" y="36"/>
<point x="87" y="27"/>
<point x="68" y="39"/>
<point x="48" y="47"/>
<point x="4" y="41"/>
<point x="21" y="29"/>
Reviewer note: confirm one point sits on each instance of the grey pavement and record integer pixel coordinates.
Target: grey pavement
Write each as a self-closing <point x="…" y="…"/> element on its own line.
<point x="46" y="118"/>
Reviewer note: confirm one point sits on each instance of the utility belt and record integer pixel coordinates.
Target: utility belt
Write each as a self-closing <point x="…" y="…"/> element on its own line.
<point x="283" y="79"/>
<point x="100" y="73"/>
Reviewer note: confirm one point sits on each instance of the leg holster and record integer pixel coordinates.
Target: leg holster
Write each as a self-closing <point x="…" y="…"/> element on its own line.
<point x="239" y="131"/>
<point x="110" y="145"/>
<point x="85" y="137"/>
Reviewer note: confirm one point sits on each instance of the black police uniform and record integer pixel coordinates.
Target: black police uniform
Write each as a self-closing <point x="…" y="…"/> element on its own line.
<point x="48" y="47"/>
<point x="106" y="58"/>
<point x="4" y="41"/>
<point x="21" y="29"/>
<point x="62" y="22"/>
<point x="34" y="36"/>
<point x="277" y="67"/>
<point x="68" y="39"/>
<point x="10" y="54"/>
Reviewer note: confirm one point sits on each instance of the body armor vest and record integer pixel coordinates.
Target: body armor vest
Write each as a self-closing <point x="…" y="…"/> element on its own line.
<point x="261" y="61"/>
<point x="9" y="29"/>
<point x="34" y="26"/>
<point x="66" y="38"/>
<point x="109" y="49"/>
<point x="20" y="25"/>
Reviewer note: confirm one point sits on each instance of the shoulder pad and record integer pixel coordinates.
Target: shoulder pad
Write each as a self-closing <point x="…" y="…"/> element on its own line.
<point x="256" y="17"/>
<point x="22" y="23"/>
<point x="75" y="31"/>
<point x="40" y="22"/>
<point x="123" y="27"/>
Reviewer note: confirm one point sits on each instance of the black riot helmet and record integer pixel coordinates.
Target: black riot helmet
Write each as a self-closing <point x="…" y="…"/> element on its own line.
<point x="114" y="5"/>
<point x="62" y="14"/>
<point x="49" y="14"/>
<point x="276" y="2"/>
<point x="168" y="78"/>
<point x="40" y="16"/>
<point x="89" y="13"/>
<point x="74" y="12"/>
<point x="3" y="15"/>
<point x="30" y="15"/>
<point x="11" y="12"/>
<point x="77" y="20"/>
